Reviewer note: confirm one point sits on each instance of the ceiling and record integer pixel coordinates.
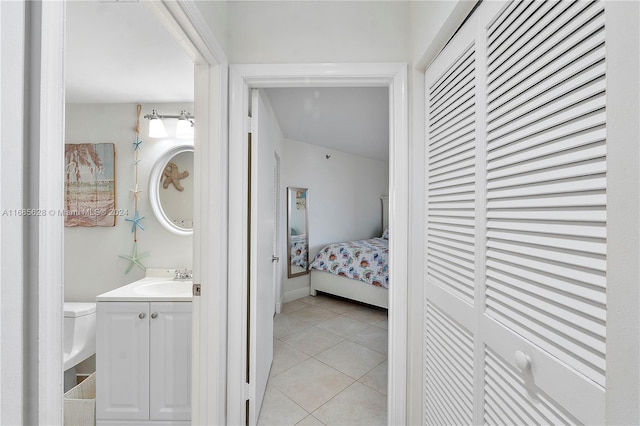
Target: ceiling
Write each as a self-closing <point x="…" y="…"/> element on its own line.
<point x="353" y="119"/>
<point x="119" y="52"/>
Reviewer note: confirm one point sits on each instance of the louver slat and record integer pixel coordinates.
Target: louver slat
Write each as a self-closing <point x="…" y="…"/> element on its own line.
<point x="451" y="178"/>
<point x="570" y="41"/>
<point x="546" y="195"/>
<point x="448" y="370"/>
<point x="507" y="399"/>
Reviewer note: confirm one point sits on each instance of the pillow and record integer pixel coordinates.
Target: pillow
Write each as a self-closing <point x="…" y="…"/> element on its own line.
<point x="385" y="234"/>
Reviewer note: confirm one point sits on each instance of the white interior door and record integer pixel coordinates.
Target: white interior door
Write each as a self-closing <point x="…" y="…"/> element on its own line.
<point x="515" y="325"/>
<point x="261" y="264"/>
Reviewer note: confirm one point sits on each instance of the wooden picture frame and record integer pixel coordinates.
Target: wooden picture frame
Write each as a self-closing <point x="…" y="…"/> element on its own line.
<point x="90" y="185"/>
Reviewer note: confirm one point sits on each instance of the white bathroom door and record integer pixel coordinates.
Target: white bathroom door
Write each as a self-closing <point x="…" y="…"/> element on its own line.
<point x="261" y="264"/>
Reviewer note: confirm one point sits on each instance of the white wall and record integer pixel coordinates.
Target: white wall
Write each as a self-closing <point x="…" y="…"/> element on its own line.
<point x="313" y="31"/>
<point x="92" y="265"/>
<point x="343" y="201"/>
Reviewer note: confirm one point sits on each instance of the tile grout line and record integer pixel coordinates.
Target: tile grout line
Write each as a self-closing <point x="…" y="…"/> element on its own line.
<point x="342" y="340"/>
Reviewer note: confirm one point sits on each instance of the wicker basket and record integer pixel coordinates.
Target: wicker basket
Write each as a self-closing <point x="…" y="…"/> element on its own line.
<point x="80" y="403"/>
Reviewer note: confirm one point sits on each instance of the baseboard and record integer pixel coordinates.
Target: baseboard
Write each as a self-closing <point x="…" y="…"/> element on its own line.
<point x="296" y="294"/>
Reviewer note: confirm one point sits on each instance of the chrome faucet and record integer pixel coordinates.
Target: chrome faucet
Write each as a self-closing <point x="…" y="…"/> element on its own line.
<point x="185" y="275"/>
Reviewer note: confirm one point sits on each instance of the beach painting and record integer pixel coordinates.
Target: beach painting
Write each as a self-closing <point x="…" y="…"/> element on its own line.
<point x="90" y="186"/>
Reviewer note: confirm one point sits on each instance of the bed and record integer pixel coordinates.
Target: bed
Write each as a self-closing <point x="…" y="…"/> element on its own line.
<point x="298" y="253"/>
<point x="356" y="270"/>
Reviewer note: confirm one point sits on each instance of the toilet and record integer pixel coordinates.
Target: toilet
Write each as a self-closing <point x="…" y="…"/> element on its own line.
<point x="79" y="338"/>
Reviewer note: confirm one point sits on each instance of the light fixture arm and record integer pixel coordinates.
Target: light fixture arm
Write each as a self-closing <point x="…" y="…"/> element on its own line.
<point x="154" y="115"/>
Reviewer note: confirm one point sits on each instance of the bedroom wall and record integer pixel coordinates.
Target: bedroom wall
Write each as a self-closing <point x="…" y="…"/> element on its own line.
<point x="91" y="262"/>
<point x="343" y="200"/>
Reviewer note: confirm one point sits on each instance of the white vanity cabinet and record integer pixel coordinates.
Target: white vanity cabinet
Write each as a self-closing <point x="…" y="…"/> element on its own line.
<point x="143" y="362"/>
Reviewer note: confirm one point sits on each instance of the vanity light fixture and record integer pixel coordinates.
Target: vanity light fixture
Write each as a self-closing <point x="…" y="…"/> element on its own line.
<point x="184" y="128"/>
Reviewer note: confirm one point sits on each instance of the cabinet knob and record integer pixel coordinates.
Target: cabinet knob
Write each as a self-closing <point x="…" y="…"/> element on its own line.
<point x="154" y="315"/>
<point x="141" y="315"/>
<point x="523" y="361"/>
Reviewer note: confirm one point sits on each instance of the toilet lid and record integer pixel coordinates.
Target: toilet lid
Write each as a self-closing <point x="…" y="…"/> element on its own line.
<point x="78" y="309"/>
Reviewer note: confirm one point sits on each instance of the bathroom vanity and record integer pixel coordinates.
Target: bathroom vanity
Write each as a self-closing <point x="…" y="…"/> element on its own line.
<point x="143" y="352"/>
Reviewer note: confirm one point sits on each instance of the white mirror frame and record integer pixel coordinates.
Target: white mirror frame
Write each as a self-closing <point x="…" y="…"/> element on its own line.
<point x="154" y="189"/>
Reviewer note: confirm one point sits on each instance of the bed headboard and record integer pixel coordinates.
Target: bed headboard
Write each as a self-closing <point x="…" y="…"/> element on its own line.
<point x="385" y="211"/>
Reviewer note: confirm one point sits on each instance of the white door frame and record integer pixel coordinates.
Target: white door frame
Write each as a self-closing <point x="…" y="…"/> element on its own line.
<point x="185" y="22"/>
<point x="241" y="79"/>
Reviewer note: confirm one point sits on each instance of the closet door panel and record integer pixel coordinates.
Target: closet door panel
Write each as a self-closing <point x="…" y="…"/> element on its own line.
<point x="545" y="377"/>
<point x="508" y="399"/>
<point x="516" y="204"/>
<point x="451" y="177"/>
<point x="449" y="366"/>
<point x="552" y="175"/>
<point x="450" y="238"/>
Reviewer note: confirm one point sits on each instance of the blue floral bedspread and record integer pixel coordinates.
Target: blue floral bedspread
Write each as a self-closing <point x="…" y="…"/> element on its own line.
<point x="364" y="260"/>
<point x="298" y="250"/>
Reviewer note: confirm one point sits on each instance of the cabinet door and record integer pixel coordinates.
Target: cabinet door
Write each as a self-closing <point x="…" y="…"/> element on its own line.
<point x="170" y="361"/>
<point x="122" y="354"/>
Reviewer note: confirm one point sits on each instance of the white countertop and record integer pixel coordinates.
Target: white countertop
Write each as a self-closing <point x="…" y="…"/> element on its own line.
<point x="157" y="286"/>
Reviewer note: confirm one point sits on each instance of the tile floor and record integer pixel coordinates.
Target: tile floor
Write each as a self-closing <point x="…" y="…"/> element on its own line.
<point x="329" y="364"/>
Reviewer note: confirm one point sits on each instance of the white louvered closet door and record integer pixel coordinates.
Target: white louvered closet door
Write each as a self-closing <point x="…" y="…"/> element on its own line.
<point x="515" y="308"/>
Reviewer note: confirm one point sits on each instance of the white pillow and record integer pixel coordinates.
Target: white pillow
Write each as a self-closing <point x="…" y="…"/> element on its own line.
<point x="385" y="234"/>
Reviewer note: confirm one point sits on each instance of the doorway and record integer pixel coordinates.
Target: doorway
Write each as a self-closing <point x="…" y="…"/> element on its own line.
<point x="184" y="22"/>
<point x="242" y="80"/>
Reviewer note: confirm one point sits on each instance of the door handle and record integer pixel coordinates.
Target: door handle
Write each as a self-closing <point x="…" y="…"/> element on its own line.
<point x="275" y="258"/>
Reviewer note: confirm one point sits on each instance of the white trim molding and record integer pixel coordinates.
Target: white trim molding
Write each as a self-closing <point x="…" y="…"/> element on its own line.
<point x="623" y="212"/>
<point x="184" y="20"/>
<point x="33" y="265"/>
<point x="242" y="79"/>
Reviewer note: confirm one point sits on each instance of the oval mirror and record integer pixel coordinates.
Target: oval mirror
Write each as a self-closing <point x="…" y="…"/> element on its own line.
<point x="171" y="190"/>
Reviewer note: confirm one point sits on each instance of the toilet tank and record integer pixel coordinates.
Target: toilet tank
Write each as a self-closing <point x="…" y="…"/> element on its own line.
<point x="79" y="332"/>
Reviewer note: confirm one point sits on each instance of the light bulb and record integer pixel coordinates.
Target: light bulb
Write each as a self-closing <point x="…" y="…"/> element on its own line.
<point x="156" y="126"/>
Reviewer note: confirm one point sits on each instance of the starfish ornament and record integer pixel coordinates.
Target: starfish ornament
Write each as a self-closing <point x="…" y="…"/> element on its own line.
<point x="136" y="192"/>
<point x="136" y="144"/>
<point x="134" y="259"/>
<point x="135" y="220"/>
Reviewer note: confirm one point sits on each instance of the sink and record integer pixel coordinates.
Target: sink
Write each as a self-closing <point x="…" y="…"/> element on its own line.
<point x="158" y="286"/>
<point x="165" y="288"/>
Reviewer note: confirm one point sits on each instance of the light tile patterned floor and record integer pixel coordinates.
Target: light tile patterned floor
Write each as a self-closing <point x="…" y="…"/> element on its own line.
<point x="329" y="364"/>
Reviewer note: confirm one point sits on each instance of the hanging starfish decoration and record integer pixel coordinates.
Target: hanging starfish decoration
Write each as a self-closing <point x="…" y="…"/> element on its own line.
<point x="135" y="220"/>
<point x="134" y="259"/>
<point x="135" y="163"/>
<point x="136" y="144"/>
<point x="135" y="191"/>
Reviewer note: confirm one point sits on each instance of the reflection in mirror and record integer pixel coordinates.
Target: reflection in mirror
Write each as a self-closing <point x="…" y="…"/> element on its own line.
<point x="297" y="232"/>
<point x="171" y="190"/>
